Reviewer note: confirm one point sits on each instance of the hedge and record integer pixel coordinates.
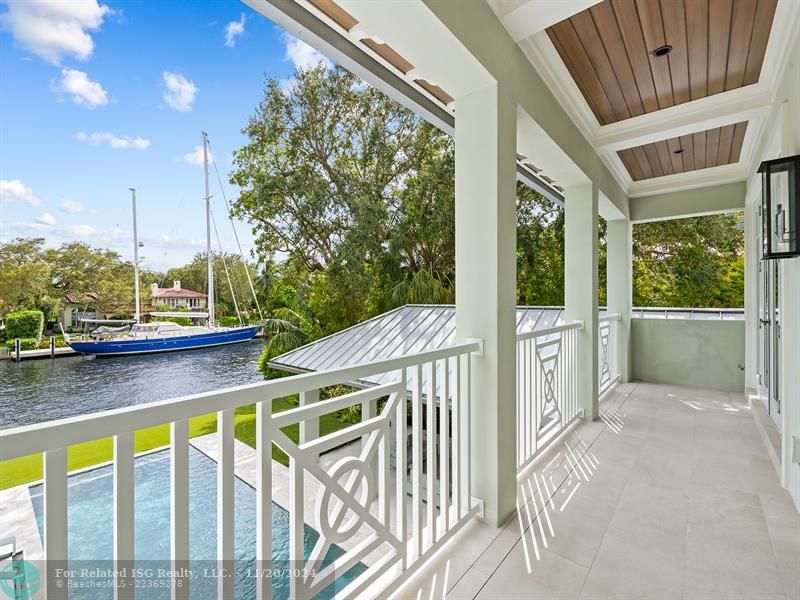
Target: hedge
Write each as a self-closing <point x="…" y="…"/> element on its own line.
<point x="24" y="344"/>
<point x="25" y="324"/>
<point x="228" y="321"/>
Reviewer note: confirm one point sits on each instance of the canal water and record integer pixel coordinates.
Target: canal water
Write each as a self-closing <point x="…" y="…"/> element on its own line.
<point x="42" y="390"/>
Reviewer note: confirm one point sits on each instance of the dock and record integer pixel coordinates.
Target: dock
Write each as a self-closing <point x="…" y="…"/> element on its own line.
<point x="39" y="353"/>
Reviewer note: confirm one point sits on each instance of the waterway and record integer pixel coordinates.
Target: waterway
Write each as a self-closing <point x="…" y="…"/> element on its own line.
<point x="42" y="390"/>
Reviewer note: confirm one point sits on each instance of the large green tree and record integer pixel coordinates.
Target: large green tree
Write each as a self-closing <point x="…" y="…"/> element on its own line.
<point x="325" y="180"/>
<point x="24" y="275"/>
<point x="693" y="262"/>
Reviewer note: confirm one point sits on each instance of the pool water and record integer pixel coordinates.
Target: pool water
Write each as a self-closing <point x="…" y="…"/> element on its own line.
<point x="90" y="514"/>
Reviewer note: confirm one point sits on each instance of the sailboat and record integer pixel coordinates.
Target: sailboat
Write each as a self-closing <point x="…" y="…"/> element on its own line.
<point x="135" y="337"/>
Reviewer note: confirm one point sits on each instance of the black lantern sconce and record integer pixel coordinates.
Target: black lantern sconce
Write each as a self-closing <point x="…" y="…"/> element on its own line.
<point x="780" y="210"/>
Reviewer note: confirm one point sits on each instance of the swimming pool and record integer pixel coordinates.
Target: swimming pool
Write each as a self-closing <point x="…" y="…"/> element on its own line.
<point x="90" y="514"/>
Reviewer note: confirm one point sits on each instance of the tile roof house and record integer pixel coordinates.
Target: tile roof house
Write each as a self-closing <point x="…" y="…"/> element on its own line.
<point x="176" y="296"/>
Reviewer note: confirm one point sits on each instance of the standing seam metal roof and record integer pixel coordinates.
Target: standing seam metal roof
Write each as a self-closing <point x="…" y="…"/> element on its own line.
<point x="405" y="330"/>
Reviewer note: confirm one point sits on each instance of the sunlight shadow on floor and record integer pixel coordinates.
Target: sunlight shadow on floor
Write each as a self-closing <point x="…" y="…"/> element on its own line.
<point x="545" y="494"/>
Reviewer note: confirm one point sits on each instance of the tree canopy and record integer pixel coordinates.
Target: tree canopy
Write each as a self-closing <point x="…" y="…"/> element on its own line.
<point x="351" y="199"/>
<point x="696" y="262"/>
<point x="35" y="277"/>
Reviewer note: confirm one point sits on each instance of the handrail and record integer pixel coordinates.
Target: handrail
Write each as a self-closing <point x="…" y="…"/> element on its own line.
<point x="687" y="313"/>
<point x="62" y="433"/>
<point x="687" y="309"/>
<point x="550" y="330"/>
<point x="610" y="317"/>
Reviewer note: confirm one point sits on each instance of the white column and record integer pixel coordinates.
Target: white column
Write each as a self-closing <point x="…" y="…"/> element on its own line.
<point x="789" y="274"/>
<point x="485" y="142"/>
<point x="580" y="286"/>
<point x="619" y="254"/>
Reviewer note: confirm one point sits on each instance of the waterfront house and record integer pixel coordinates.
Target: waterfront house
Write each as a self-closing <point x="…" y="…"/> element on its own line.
<point x="177" y="297"/>
<point x="75" y="307"/>
<point x="626" y="454"/>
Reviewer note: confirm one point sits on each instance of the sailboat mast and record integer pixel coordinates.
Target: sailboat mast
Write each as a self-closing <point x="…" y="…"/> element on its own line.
<point x="208" y="235"/>
<point x="135" y="256"/>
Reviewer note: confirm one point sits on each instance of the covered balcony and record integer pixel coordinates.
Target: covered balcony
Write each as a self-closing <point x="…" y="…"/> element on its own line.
<point x="504" y="451"/>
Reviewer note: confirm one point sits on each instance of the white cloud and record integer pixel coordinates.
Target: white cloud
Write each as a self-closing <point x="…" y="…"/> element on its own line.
<point x="180" y="92"/>
<point x="302" y="55"/>
<point x="46" y="219"/>
<point x="233" y="30"/>
<point x="52" y="28"/>
<point x="16" y="191"/>
<point x="27" y="226"/>
<point x="73" y="207"/>
<point x="83" y="90"/>
<point x="66" y="232"/>
<point x="195" y="157"/>
<point x="79" y="230"/>
<point x="117" y="143"/>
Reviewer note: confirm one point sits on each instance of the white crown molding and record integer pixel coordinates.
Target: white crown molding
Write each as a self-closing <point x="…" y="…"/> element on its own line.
<point x="687" y="181"/>
<point x="545" y="59"/>
<point x="785" y="29"/>
<point x="618" y="170"/>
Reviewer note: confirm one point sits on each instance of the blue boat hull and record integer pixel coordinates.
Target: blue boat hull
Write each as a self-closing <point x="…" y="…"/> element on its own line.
<point x="166" y="344"/>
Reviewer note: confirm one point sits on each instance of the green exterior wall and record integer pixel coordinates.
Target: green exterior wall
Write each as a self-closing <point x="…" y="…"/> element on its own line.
<point x="707" y="354"/>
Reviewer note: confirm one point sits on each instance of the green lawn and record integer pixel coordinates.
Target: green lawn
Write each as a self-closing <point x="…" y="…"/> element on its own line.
<point x="29" y="468"/>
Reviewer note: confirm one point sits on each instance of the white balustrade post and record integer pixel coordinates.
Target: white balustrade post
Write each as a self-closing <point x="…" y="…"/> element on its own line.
<point x="123" y="515"/>
<point x="485" y="141"/>
<point x="580" y="287"/>
<point x="309" y="428"/>
<point x="369" y="410"/>
<point x="263" y="499"/>
<point x="179" y="508"/>
<point x="225" y="503"/>
<point x="55" y="523"/>
<point x="619" y="251"/>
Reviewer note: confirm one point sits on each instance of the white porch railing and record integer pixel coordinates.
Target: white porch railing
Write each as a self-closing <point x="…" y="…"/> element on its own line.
<point x="358" y="494"/>
<point x="547" y="387"/>
<point x="608" y="370"/>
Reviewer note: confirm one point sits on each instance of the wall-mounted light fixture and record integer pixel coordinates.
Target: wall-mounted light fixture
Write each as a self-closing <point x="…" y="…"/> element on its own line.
<point x="780" y="211"/>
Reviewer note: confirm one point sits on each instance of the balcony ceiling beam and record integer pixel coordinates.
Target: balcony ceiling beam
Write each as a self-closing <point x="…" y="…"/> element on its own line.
<point x="533" y="16"/>
<point x="726" y="108"/>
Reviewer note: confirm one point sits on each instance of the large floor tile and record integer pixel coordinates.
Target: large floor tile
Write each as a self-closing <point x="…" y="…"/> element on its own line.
<point x="525" y="577"/>
<point x="575" y="531"/>
<point x="626" y="569"/>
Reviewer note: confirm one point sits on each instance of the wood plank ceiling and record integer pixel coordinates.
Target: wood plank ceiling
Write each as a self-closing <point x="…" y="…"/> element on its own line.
<point x="711" y="148"/>
<point x="609" y="49"/>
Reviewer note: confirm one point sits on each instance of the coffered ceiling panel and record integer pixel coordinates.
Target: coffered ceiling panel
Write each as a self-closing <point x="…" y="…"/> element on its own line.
<point x="711" y="148"/>
<point x="631" y="57"/>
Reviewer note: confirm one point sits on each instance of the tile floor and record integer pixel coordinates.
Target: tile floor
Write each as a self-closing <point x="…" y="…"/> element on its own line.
<point x="670" y="495"/>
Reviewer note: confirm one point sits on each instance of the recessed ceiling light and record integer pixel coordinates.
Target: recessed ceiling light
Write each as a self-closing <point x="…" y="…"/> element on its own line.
<point x="662" y="50"/>
<point x="678" y="151"/>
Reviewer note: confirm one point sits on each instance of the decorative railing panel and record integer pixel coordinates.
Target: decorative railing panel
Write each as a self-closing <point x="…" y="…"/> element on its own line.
<point x="607" y="368"/>
<point x="386" y="520"/>
<point x="547" y="387"/>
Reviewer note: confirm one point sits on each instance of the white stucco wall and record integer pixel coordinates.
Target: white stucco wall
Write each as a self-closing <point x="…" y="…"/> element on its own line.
<point x="782" y="138"/>
<point x="707" y="353"/>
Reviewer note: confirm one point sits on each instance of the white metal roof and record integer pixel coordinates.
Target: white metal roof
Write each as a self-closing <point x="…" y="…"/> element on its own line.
<point x="406" y="330"/>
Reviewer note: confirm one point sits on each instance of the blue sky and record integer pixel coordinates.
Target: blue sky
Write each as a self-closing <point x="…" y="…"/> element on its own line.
<point x="99" y="97"/>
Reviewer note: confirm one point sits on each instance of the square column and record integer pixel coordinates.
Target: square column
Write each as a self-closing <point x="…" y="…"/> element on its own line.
<point x="619" y="254"/>
<point x="485" y="142"/>
<point x="580" y="286"/>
